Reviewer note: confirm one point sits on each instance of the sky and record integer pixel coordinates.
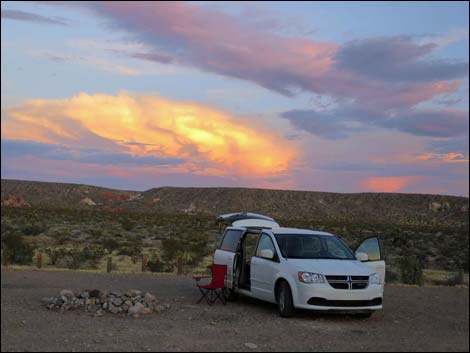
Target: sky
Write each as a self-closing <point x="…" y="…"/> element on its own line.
<point x="321" y="96"/>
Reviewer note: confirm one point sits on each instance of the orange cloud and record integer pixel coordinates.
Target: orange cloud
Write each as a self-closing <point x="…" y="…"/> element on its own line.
<point x="387" y="184"/>
<point x="451" y="157"/>
<point x="211" y="141"/>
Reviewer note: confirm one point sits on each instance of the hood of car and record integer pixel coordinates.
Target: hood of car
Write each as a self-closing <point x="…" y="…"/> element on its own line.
<point x="331" y="267"/>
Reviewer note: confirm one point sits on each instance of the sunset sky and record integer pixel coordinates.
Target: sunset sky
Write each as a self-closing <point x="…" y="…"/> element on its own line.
<point x="341" y="97"/>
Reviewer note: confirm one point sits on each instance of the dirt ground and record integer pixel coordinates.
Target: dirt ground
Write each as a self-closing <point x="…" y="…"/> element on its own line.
<point x="413" y="319"/>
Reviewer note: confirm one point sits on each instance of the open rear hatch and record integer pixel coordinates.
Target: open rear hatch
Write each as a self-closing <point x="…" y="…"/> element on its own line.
<point x="248" y="220"/>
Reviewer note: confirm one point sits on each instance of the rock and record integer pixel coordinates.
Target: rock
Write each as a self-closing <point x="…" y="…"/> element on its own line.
<point x="117" y="302"/>
<point x="149" y="298"/>
<point x="48" y="300"/>
<point x="94" y="293"/>
<point x="114" y="309"/>
<point x="103" y="296"/>
<point x="100" y="301"/>
<point x="133" y="293"/>
<point x="67" y="293"/>
<point x="435" y="206"/>
<point x="137" y="308"/>
<point x="146" y="311"/>
<point x="159" y="308"/>
<point x="14" y="201"/>
<point x="87" y="201"/>
<point x="251" y="345"/>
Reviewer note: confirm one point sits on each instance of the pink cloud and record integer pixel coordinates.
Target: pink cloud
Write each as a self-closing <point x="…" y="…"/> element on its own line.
<point x="375" y="80"/>
<point x="387" y="184"/>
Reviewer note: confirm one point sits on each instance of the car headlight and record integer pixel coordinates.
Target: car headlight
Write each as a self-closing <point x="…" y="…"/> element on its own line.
<point x="374" y="279"/>
<point x="309" y="277"/>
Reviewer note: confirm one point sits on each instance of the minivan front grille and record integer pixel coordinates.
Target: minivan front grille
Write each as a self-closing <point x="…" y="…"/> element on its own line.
<point x="348" y="282"/>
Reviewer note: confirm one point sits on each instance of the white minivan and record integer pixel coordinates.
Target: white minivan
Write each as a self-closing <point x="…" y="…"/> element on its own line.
<point x="299" y="268"/>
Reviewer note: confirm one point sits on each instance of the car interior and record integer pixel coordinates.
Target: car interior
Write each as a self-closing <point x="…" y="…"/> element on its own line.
<point x="245" y="252"/>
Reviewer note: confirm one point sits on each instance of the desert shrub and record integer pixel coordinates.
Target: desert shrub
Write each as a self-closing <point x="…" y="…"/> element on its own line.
<point x="411" y="270"/>
<point x="154" y="264"/>
<point x="109" y="243"/>
<point x="16" y="250"/>
<point x="6" y="227"/>
<point x="170" y="247"/>
<point x="97" y="233"/>
<point x="127" y="224"/>
<point x="91" y="255"/>
<point x="455" y="279"/>
<point x="54" y="254"/>
<point x="76" y="257"/>
<point x="132" y="250"/>
<point x="34" y="228"/>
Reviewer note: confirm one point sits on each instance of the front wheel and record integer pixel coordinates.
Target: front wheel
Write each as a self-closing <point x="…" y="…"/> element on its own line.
<point x="285" y="303"/>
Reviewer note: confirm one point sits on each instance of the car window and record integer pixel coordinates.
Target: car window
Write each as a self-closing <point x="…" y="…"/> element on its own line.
<point x="265" y="243"/>
<point x="313" y="246"/>
<point x="230" y="240"/>
<point x="250" y="242"/>
<point x="371" y="247"/>
<point x="335" y="248"/>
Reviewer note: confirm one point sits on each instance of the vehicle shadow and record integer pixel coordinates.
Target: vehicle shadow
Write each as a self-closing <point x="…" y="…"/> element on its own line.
<point x="266" y="308"/>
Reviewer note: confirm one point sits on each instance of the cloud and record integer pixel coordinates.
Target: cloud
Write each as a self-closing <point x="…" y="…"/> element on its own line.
<point x="434" y="123"/>
<point x="397" y="59"/>
<point x="32" y="17"/>
<point x="323" y="124"/>
<point x="387" y="184"/>
<point x="374" y="81"/>
<point x="161" y="58"/>
<point x="21" y="148"/>
<point x="459" y="145"/>
<point x="452" y="157"/>
<point x="338" y="123"/>
<point x="147" y="129"/>
<point x="96" y="62"/>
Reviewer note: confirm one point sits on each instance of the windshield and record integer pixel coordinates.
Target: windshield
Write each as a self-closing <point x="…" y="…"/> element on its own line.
<point x="312" y="246"/>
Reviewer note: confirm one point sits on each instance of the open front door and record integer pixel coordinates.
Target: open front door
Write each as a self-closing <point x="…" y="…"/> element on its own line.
<point x="371" y="246"/>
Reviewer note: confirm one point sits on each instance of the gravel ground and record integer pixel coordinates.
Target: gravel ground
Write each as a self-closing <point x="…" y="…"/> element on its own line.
<point x="414" y="319"/>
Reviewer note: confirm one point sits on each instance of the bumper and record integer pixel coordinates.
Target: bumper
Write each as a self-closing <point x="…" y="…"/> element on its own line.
<point x="324" y="297"/>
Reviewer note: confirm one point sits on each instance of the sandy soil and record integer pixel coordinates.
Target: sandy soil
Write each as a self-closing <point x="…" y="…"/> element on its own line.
<point x="414" y="319"/>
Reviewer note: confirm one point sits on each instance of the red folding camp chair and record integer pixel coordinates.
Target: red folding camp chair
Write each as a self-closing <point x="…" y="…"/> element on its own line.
<point x="215" y="289"/>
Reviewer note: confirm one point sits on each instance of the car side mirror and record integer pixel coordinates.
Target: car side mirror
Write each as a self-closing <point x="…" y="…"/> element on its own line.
<point x="266" y="254"/>
<point x="362" y="256"/>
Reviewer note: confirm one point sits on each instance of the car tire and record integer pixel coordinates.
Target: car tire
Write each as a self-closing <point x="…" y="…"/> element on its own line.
<point x="285" y="303"/>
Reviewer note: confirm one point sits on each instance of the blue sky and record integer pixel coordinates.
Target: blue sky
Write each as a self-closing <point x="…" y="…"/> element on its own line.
<point x="342" y="96"/>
